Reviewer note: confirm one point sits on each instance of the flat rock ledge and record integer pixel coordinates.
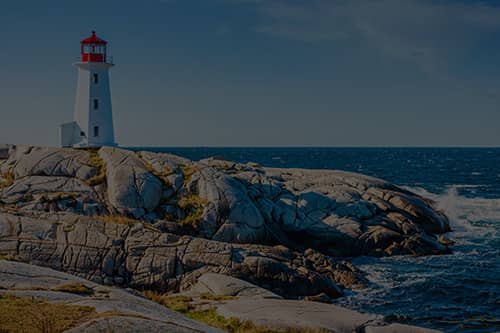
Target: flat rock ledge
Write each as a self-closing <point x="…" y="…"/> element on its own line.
<point x="248" y="302"/>
<point x="121" y="311"/>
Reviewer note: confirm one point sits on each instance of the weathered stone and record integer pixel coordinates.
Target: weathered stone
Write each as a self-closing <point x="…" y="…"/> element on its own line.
<point x="239" y="299"/>
<point x="119" y="310"/>
<point x="176" y="180"/>
<point x="142" y="257"/>
<point x="285" y="314"/>
<point x="26" y="161"/>
<point x="223" y="285"/>
<point x="275" y="228"/>
<point x="131" y="187"/>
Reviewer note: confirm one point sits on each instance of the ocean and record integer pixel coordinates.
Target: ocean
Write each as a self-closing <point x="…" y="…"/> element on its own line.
<point x="455" y="293"/>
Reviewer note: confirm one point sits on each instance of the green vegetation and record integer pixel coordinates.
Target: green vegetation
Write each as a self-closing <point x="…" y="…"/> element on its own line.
<point x="8" y="179"/>
<point x="97" y="162"/>
<point x="188" y="171"/>
<point x="39" y="316"/>
<point x="161" y="175"/>
<point x="8" y="257"/>
<point x="74" y="288"/>
<point x="177" y="303"/>
<point x="193" y="206"/>
<point x="209" y="316"/>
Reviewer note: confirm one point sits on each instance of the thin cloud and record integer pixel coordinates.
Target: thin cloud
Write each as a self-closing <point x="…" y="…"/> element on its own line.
<point x="423" y="32"/>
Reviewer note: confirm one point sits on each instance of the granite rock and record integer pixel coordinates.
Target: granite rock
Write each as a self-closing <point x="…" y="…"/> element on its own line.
<point x="124" y="311"/>
<point x="338" y="213"/>
<point x="144" y="258"/>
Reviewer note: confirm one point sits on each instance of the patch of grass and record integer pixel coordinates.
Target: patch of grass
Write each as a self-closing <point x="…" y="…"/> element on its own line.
<point x="184" y="305"/>
<point x="161" y="175"/>
<point x="8" y="257"/>
<point x="74" y="288"/>
<point x="181" y="304"/>
<point x="191" y="201"/>
<point x="193" y="206"/>
<point x="188" y="171"/>
<point x="97" y="162"/>
<point x="24" y="314"/>
<point x="8" y="179"/>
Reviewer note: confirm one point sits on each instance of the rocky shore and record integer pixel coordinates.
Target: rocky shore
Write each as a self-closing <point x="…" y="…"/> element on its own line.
<point x="153" y="221"/>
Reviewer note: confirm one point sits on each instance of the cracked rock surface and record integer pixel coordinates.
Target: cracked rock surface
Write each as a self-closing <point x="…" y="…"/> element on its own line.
<point x="159" y="221"/>
<point x="117" y="309"/>
<point x="143" y="258"/>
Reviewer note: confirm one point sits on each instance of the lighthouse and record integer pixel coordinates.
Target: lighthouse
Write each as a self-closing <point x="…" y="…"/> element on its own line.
<point x="93" y="118"/>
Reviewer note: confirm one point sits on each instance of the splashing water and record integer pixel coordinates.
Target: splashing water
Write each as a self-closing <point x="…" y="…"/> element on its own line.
<point x="456" y="293"/>
<point x="476" y="215"/>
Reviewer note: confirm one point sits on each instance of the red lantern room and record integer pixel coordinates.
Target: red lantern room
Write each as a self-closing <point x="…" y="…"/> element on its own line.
<point x="93" y="49"/>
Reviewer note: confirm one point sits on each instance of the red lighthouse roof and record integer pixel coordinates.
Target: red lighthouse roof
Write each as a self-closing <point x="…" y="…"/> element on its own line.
<point x="94" y="40"/>
<point x="93" y="49"/>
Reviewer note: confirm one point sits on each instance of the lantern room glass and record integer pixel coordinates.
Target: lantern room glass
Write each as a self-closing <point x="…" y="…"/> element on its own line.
<point x="93" y="52"/>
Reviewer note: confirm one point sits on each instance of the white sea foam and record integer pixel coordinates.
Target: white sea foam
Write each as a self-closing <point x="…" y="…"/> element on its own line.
<point x="464" y="213"/>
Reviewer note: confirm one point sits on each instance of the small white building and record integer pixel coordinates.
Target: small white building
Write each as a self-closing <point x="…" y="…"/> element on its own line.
<point x="93" y="120"/>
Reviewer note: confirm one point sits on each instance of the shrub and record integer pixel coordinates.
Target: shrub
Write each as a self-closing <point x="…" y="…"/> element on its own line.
<point x="193" y="206"/>
<point x="188" y="171"/>
<point x="8" y="179"/>
<point x="180" y="304"/>
<point x="97" y="162"/>
<point x="161" y="175"/>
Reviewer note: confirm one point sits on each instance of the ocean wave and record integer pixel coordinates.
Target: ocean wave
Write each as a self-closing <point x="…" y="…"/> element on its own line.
<point x="465" y="214"/>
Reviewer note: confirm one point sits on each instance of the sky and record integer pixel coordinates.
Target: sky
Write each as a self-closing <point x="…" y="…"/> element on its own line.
<point x="260" y="72"/>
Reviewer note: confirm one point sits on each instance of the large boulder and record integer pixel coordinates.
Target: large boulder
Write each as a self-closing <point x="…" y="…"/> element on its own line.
<point x="339" y="213"/>
<point x="132" y="188"/>
<point x="223" y="285"/>
<point x="26" y="161"/>
<point x="230" y="215"/>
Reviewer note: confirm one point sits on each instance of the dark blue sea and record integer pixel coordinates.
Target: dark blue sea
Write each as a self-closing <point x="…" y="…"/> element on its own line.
<point x="455" y="293"/>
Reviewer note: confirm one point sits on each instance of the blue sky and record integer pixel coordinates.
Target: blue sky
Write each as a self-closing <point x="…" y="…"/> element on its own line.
<point x="261" y="73"/>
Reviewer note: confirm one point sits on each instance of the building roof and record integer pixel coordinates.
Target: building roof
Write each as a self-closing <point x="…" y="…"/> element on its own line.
<point x="94" y="40"/>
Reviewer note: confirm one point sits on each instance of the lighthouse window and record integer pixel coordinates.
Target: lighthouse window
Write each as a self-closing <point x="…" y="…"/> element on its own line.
<point x="95" y="77"/>
<point x="96" y="130"/>
<point x="96" y="104"/>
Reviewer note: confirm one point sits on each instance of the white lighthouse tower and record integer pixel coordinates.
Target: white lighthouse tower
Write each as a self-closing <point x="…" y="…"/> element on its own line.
<point x="93" y="121"/>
